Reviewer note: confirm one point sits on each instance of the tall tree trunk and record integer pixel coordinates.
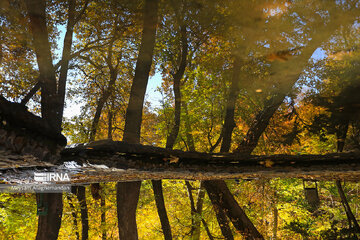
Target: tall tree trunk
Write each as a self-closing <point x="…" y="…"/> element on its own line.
<point x="220" y="214"/>
<point x="341" y="136"/>
<point x="189" y="136"/>
<point x="352" y="220"/>
<point x="81" y="196"/>
<point x="177" y="78"/>
<point x="196" y="211"/>
<point x="127" y="197"/>
<point x="160" y="204"/>
<point x="275" y="223"/>
<point x="221" y="196"/>
<point x="74" y="215"/>
<point x="110" y="119"/>
<point x="49" y="224"/>
<point x="66" y="56"/>
<point x="157" y="184"/>
<point x="261" y="122"/>
<point x="198" y="217"/>
<point x="229" y="122"/>
<point x="49" y="101"/>
<point x="134" y="110"/>
<point x="103" y="215"/>
<point x="128" y="192"/>
<point x="101" y="103"/>
<point x="110" y="88"/>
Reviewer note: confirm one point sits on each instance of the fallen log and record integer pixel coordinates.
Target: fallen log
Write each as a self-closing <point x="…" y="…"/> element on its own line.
<point x="148" y="162"/>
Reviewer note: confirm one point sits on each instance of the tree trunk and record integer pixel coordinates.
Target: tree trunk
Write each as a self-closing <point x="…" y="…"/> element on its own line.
<point x="220" y="213"/>
<point x="207" y="229"/>
<point x="261" y="122"/>
<point x="177" y="78"/>
<point x="341" y="135"/>
<point x="110" y="119"/>
<point x="128" y="192"/>
<point x="101" y="102"/>
<point x="289" y="72"/>
<point x="66" y="56"/>
<point x="198" y="214"/>
<point x="37" y="16"/>
<point x="189" y="136"/>
<point x="127" y="197"/>
<point x="51" y="205"/>
<point x="74" y="215"/>
<point x="160" y="204"/>
<point x="103" y="215"/>
<point x="222" y="198"/>
<point x="31" y="93"/>
<point x="275" y="223"/>
<point x="352" y="220"/>
<point x="134" y="110"/>
<point x="229" y="122"/>
<point x="157" y="185"/>
<point x="80" y="194"/>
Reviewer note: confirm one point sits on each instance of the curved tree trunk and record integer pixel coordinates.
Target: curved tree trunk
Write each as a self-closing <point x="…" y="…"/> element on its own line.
<point x="103" y="213"/>
<point x="229" y="122"/>
<point x="189" y="136"/>
<point x="341" y="136"/>
<point x="101" y="102"/>
<point x="177" y="78"/>
<point x="289" y="72"/>
<point x="171" y="139"/>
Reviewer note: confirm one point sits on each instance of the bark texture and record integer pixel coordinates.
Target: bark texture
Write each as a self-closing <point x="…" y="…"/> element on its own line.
<point x="160" y="205"/>
<point x="177" y="94"/>
<point x="134" y="111"/>
<point x="49" y="224"/>
<point x="127" y="197"/>
<point x="353" y="224"/>
<point x="229" y="122"/>
<point x="37" y="16"/>
<point x="127" y="194"/>
<point x="221" y="196"/>
<point x="80" y="194"/>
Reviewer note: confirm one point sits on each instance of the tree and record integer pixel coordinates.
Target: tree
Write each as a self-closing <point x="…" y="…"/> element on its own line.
<point x="128" y="192"/>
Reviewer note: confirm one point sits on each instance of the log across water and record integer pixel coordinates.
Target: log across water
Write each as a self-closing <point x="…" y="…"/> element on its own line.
<point x="105" y="161"/>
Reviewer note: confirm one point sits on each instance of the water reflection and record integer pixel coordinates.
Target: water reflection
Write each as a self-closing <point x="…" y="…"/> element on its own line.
<point x="269" y="209"/>
<point x="238" y="78"/>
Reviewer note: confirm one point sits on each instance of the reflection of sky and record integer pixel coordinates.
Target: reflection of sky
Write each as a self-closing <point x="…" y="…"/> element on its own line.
<point x="152" y="95"/>
<point x="319" y="54"/>
<point x="72" y="108"/>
